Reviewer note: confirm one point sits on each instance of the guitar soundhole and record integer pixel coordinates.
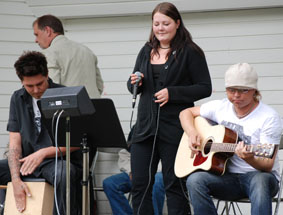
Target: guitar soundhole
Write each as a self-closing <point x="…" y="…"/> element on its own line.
<point x="207" y="147"/>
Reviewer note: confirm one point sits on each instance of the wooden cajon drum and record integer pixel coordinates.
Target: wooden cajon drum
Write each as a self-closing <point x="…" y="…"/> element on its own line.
<point x="40" y="203"/>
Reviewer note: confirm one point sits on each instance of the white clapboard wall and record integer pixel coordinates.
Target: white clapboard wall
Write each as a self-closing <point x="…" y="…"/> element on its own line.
<point x="227" y="37"/>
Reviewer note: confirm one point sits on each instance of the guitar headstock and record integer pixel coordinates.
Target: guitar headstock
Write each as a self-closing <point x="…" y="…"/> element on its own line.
<point x="265" y="150"/>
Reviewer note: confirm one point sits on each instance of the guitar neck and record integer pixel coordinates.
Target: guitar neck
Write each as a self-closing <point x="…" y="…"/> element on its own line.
<point x="226" y="147"/>
<point x="260" y="150"/>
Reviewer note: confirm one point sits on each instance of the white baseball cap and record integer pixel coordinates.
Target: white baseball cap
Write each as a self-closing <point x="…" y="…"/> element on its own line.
<point x="241" y="75"/>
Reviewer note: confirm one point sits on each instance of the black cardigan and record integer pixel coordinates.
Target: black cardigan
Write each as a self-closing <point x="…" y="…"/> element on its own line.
<point x="187" y="79"/>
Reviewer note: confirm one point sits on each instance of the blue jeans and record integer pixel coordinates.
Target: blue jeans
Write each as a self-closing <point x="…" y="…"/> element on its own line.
<point x="117" y="185"/>
<point x="259" y="187"/>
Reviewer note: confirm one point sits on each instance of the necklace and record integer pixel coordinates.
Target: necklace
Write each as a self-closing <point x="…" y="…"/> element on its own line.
<point x="248" y="112"/>
<point x="164" y="47"/>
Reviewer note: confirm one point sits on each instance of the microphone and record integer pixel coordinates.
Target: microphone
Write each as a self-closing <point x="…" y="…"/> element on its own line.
<point x="135" y="90"/>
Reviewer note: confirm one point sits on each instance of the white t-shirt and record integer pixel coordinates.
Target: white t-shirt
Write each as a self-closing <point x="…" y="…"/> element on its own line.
<point x="37" y="114"/>
<point x="262" y="125"/>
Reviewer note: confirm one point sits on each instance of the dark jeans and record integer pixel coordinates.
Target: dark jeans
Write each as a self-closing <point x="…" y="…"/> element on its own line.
<point x="177" y="203"/>
<point x="4" y="178"/>
<point x="260" y="187"/>
<point x="48" y="173"/>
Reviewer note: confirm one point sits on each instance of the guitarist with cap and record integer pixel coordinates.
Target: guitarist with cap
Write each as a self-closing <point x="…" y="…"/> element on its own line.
<point x="247" y="175"/>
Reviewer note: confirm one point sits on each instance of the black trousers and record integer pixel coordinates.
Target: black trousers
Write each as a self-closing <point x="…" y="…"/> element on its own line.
<point x="48" y="173"/>
<point x="143" y="177"/>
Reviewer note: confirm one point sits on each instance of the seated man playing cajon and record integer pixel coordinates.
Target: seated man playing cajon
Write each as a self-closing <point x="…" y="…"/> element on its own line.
<point x="31" y="151"/>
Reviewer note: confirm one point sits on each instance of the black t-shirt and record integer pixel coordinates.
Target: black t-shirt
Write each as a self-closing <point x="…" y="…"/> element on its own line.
<point x="22" y="120"/>
<point x="156" y="69"/>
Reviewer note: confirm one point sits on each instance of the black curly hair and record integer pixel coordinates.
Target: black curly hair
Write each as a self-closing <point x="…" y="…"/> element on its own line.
<point x="31" y="63"/>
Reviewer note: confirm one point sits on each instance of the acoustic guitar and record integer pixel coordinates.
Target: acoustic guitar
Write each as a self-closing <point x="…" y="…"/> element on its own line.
<point x="218" y="144"/>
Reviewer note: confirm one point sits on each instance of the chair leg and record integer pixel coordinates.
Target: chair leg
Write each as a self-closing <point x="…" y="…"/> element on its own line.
<point x="130" y="198"/>
<point x="233" y="207"/>
<point x="222" y="213"/>
<point x="238" y="208"/>
<point x="93" y="182"/>
<point x="227" y="208"/>
<point x="217" y="204"/>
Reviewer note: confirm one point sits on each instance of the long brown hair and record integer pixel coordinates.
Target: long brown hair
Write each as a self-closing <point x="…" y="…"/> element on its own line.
<point x="182" y="36"/>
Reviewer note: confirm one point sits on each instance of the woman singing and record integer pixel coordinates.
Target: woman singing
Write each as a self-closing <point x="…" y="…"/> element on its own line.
<point x="174" y="76"/>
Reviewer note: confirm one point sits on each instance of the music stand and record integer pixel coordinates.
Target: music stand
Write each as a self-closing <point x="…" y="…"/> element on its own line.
<point x="102" y="129"/>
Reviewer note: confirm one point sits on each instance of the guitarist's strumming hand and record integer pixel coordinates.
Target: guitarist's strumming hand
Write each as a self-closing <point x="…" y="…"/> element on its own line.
<point x="241" y="151"/>
<point x="194" y="142"/>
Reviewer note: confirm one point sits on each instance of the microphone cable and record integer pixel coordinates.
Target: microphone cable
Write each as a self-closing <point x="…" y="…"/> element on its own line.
<point x="56" y="156"/>
<point x="184" y="192"/>
<point x="150" y="165"/>
<point x="187" y="196"/>
<point x="152" y="153"/>
<point x="52" y="130"/>
<point x="151" y="158"/>
<point x="56" y="160"/>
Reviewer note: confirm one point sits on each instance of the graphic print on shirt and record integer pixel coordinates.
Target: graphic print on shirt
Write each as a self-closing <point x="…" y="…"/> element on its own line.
<point x="240" y="131"/>
<point x="37" y="115"/>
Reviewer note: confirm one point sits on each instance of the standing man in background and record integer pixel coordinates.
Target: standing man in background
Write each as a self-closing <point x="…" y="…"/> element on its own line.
<point x="69" y="63"/>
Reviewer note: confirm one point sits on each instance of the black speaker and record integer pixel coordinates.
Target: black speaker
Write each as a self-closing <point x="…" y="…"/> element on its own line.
<point x="73" y="100"/>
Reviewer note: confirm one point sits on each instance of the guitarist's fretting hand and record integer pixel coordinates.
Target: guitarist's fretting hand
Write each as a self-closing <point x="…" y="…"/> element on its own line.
<point x="242" y="152"/>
